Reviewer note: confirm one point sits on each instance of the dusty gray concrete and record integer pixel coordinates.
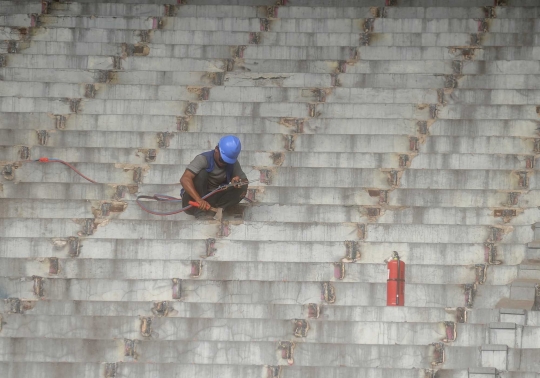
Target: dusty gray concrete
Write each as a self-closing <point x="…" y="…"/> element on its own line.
<point x="371" y="127"/>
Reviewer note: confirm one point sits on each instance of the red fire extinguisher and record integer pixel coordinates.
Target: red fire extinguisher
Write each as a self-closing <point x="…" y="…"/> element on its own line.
<point x="395" y="285"/>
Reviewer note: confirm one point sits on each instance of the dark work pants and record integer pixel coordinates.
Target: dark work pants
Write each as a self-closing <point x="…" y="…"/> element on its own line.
<point x="223" y="199"/>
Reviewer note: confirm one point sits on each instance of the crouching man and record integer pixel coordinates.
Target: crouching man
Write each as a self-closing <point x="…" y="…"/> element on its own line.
<point x="211" y="169"/>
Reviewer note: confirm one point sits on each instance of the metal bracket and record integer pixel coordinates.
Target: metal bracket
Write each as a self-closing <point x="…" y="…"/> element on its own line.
<point x="177" y="288"/>
<point x="438" y="354"/>
<point x="74" y="247"/>
<point x="451" y="331"/>
<point x="170" y="10"/>
<point x="164" y="139"/>
<point x="254" y="38"/>
<point x="352" y="251"/>
<point x="273" y="371"/>
<point x="301" y="328"/>
<point x="38" y="286"/>
<point x="210" y="247"/>
<point x="43" y="137"/>
<point x="289" y="142"/>
<point x="129" y="348"/>
<point x="53" y="265"/>
<point x="470" y="292"/>
<point x="313" y="310"/>
<point x="287" y="351"/>
<point x="266" y="176"/>
<point x="491" y="254"/>
<point x="461" y="315"/>
<point x="24" y="152"/>
<point x="328" y="292"/>
<point x="339" y="270"/>
<point x="365" y="39"/>
<point x="182" y="123"/>
<point x="110" y="370"/>
<point x="191" y="109"/>
<point x="368" y="25"/>
<point x="265" y="24"/>
<point x="312" y="111"/>
<point x="161" y="309"/>
<point x="146" y="326"/>
<point x="74" y="104"/>
<point x="196" y="268"/>
<point x="404" y="158"/>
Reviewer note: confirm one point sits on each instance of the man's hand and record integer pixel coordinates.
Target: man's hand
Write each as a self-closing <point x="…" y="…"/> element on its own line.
<point x="203" y="205"/>
<point x="189" y="187"/>
<point x="236" y="180"/>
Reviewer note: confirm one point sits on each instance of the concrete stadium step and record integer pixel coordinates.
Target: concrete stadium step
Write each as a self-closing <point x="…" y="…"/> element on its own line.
<point x="255" y="353"/>
<point x="180" y="37"/>
<point x="427" y="160"/>
<point x="503" y="82"/>
<point x="268" y="159"/>
<point x="239" y="23"/>
<point x="443" y="147"/>
<point x="499" y="67"/>
<point x="143" y="77"/>
<point x="267" y="95"/>
<point x="269" y="231"/>
<point x="435" y="254"/>
<point x="424" y="215"/>
<point x="82" y="268"/>
<point x="39" y="208"/>
<point x="14" y="7"/>
<point x="266" y="125"/>
<point x="285" y="80"/>
<point x="271" y="142"/>
<point x="430" y="12"/>
<point x="249" y="158"/>
<point x="286" y="110"/>
<point x="462" y="198"/>
<point x="483" y="128"/>
<point x="259" y="292"/>
<point x="239" y="125"/>
<point x="270" y="95"/>
<point x="350" y="54"/>
<point x="250" y="142"/>
<point x="16" y="20"/>
<point x="175" y="309"/>
<point x="482" y="198"/>
<point x="95" y="369"/>
<point x="333" y="3"/>
<point x="464" y="3"/>
<point x="245" y="330"/>
<point x="226" y="109"/>
<point x="32" y="369"/>
<point x="379" y="67"/>
<point x="253" y="8"/>
<point x="289" y="177"/>
<point x="333" y="25"/>
<point x="426" y="10"/>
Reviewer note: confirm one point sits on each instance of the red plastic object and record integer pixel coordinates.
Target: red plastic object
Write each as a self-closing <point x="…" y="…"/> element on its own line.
<point x="44" y="160"/>
<point x="395" y="285"/>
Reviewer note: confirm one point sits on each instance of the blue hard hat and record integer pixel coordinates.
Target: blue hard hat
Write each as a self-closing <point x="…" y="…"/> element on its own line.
<point x="229" y="148"/>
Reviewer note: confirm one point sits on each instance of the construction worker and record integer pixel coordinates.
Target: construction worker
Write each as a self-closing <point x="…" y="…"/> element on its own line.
<point x="211" y="169"/>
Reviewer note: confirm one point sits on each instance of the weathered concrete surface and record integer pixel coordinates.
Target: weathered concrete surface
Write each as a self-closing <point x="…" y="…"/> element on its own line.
<point x="371" y="126"/>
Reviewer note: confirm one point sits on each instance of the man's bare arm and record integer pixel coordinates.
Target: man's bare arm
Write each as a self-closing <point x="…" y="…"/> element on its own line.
<point x="187" y="183"/>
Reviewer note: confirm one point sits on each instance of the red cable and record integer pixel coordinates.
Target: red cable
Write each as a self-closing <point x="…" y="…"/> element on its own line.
<point x="157" y="197"/>
<point x="53" y="160"/>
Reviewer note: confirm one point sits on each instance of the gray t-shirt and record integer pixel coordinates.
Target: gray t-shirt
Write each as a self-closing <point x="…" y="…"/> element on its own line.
<point x="218" y="175"/>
